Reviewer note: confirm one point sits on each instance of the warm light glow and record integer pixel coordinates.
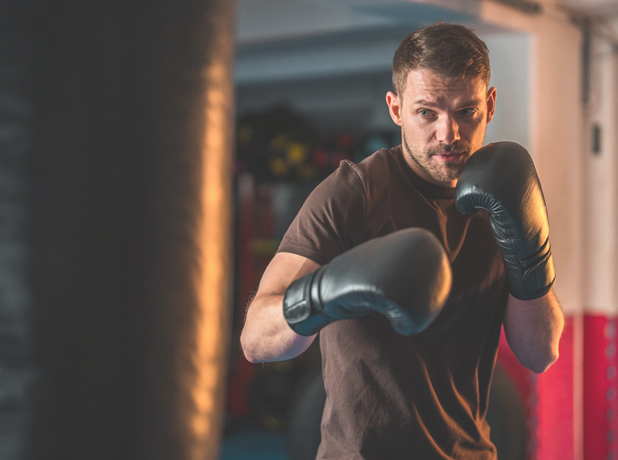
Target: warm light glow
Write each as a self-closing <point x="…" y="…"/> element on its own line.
<point x="212" y="283"/>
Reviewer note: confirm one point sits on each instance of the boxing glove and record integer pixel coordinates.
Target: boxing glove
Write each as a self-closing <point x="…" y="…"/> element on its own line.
<point x="501" y="179"/>
<point x="405" y="276"/>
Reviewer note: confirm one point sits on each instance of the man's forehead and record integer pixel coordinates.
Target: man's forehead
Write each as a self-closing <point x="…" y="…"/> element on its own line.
<point x="424" y="85"/>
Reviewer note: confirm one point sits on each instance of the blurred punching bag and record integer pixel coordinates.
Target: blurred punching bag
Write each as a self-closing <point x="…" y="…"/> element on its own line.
<point x="115" y="175"/>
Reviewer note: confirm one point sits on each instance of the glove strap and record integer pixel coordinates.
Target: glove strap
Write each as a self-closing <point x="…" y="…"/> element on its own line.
<point x="537" y="275"/>
<point x="301" y="306"/>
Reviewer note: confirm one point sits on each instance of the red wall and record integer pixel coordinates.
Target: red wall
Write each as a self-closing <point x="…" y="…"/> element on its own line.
<point x="549" y="400"/>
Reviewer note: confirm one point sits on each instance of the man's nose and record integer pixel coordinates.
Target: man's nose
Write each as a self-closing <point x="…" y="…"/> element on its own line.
<point x="448" y="131"/>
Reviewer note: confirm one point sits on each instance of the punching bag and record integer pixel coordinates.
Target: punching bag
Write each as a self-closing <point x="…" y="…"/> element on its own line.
<point x="115" y="176"/>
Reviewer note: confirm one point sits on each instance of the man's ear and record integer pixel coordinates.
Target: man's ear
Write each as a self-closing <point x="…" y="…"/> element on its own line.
<point x="491" y="103"/>
<point x="394" y="107"/>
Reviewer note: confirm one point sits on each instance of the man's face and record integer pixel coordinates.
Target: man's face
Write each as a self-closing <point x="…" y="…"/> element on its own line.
<point x="442" y="123"/>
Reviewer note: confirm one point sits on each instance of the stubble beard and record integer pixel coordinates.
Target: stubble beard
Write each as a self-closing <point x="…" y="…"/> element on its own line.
<point x="442" y="172"/>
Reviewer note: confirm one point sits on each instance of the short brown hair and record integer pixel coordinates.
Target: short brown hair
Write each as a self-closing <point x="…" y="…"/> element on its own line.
<point x="451" y="51"/>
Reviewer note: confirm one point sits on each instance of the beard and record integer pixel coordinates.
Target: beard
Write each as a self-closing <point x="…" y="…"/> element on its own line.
<point x="441" y="171"/>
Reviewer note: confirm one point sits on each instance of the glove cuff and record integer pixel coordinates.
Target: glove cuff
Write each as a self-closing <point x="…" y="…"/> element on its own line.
<point x="304" y="315"/>
<point x="537" y="275"/>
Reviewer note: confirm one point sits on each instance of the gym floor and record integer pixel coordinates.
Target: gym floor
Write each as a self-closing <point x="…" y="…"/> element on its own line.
<point x="254" y="444"/>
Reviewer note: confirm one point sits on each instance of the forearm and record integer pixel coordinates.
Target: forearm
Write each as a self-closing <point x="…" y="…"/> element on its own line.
<point x="266" y="336"/>
<point x="533" y="329"/>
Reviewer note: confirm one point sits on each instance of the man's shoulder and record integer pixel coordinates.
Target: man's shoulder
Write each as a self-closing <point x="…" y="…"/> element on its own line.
<point x="379" y="163"/>
<point x="374" y="171"/>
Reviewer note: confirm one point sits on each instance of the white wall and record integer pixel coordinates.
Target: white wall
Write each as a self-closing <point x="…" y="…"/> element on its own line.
<point x="601" y="210"/>
<point x="510" y="74"/>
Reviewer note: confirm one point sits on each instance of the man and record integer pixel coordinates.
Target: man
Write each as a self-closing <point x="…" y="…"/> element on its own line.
<point x="419" y="396"/>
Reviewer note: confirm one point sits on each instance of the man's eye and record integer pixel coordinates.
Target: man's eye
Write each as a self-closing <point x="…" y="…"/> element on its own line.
<point x="467" y="112"/>
<point x="424" y="112"/>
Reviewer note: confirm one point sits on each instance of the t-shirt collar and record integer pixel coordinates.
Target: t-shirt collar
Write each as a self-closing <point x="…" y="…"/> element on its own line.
<point x="427" y="189"/>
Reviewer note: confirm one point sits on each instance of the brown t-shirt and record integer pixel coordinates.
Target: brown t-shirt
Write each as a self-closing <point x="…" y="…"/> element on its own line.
<point x="389" y="396"/>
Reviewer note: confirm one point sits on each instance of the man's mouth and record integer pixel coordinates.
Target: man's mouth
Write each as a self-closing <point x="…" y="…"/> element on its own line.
<point x="449" y="156"/>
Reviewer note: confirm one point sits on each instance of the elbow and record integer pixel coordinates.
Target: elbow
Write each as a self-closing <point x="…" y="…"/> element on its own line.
<point x="249" y="350"/>
<point x="249" y="347"/>
<point x="252" y="358"/>
<point x="542" y="363"/>
<point x="258" y="349"/>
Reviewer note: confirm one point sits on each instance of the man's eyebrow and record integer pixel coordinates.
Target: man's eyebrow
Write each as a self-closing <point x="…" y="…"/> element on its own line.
<point x="424" y="102"/>
<point x="471" y="102"/>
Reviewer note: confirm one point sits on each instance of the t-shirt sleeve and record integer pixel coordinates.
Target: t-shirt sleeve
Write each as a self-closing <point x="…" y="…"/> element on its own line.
<point x="332" y="219"/>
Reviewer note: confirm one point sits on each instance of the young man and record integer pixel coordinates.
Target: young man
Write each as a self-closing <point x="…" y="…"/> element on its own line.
<point x="425" y="395"/>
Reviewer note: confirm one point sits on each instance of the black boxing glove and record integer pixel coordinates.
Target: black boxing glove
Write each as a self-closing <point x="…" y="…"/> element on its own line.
<point x="501" y="179"/>
<point x="406" y="276"/>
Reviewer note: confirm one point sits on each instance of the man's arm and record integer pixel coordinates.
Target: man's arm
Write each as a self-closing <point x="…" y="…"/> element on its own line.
<point x="266" y="336"/>
<point x="405" y="276"/>
<point x="533" y="329"/>
<point x="501" y="179"/>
